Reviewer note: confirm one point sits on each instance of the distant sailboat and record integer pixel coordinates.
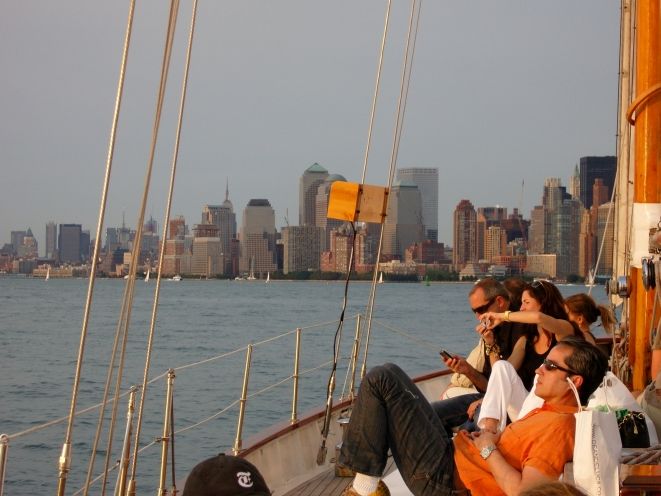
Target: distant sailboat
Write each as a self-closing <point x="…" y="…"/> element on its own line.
<point x="47" y="274"/>
<point x="381" y="278"/>
<point x="147" y="276"/>
<point x="268" y="277"/>
<point x="252" y="277"/>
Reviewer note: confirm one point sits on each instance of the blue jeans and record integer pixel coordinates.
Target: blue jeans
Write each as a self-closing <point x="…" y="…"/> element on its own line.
<point x="452" y="412"/>
<point x="391" y="413"/>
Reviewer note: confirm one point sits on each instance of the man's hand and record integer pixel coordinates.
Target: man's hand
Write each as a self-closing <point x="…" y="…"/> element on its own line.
<point x="459" y="365"/>
<point x="472" y="407"/>
<point x="482" y="439"/>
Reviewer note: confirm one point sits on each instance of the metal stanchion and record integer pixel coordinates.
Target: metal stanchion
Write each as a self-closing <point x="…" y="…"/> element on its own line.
<point x="244" y="396"/>
<point x="294" y="403"/>
<point x="165" y="438"/>
<point x="4" y="448"/>
<point x="120" y="489"/>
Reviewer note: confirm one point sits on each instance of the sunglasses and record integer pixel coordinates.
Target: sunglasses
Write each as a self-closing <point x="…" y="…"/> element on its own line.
<point x="485" y="307"/>
<point x="551" y="366"/>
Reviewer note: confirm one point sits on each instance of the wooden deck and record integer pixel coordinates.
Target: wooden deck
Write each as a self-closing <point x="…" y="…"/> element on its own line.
<point x="326" y="484"/>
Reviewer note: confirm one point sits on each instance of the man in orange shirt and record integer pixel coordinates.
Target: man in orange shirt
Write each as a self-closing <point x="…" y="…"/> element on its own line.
<point x="391" y="414"/>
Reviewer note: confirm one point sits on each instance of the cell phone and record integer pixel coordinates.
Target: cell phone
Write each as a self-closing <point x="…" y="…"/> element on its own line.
<point x="445" y="354"/>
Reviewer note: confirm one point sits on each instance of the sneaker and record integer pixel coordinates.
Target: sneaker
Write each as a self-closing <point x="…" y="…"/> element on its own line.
<point x="381" y="490"/>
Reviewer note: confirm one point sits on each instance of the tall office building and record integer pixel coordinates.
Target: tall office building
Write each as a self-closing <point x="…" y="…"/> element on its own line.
<point x="258" y="252"/>
<point x="17" y="240"/>
<point x="307" y="194"/>
<point x="592" y="168"/>
<point x="68" y="243"/>
<point x="85" y="241"/>
<point x="224" y="218"/>
<point x="426" y="179"/>
<point x="495" y="243"/>
<point x="403" y="226"/>
<point x="321" y="210"/>
<point x="177" y="228"/>
<point x="465" y="235"/>
<point x="301" y="247"/>
<point x="604" y="234"/>
<point x="600" y="193"/>
<point x="51" y="239"/>
<point x="575" y="183"/>
<point x="536" y="233"/>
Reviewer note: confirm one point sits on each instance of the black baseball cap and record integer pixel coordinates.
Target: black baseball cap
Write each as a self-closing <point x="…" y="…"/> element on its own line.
<point x="225" y="475"/>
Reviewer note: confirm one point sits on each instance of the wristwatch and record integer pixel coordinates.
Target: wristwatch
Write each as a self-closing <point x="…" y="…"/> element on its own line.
<point x="487" y="450"/>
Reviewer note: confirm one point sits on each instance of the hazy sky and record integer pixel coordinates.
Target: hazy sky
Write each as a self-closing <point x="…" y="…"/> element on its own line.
<point x="501" y="92"/>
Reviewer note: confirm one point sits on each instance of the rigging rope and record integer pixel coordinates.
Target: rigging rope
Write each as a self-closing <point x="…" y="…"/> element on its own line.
<point x="65" y="457"/>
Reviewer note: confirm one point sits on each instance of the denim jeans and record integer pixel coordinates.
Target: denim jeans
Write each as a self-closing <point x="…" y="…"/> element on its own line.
<point x="391" y="413"/>
<point x="452" y="412"/>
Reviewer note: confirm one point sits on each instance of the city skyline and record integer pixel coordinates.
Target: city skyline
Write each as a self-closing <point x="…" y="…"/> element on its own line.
<point x="205" y="212"/>
<point x="497" y="98"/>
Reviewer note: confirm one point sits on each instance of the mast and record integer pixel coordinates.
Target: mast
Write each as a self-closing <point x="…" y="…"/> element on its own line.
<point x="647" y="194"/>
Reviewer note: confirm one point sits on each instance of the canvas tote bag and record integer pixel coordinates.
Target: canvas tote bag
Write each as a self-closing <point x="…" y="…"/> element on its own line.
<point x="597" y="448"/>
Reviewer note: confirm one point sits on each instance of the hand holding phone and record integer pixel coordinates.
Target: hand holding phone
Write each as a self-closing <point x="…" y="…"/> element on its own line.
<point x="445" y="355"/>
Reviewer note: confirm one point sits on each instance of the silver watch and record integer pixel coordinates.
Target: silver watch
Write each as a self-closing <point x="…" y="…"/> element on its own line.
<point x="487" y="450"/>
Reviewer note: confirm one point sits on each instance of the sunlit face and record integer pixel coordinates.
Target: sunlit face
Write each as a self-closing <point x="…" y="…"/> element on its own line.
<point x="552" y="382"/>
<point x="479" y="304"/>
<point x="529" y="303"/>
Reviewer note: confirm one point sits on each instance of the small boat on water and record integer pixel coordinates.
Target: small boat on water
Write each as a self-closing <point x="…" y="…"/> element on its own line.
<point x="176" y="278"/>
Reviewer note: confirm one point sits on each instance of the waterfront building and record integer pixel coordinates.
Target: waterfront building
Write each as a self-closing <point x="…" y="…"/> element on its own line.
<point x="465" y="235"/>
<point x="586" y="243"/>
<point x="592" y="168"/>
<point x="17" y="240"/>
<point x="604" y="236"/>
<point x="541" y="265"/>
<point x="207" y="259"/>
<point x="321" y="209"/>
<point x="258" y="253"/>
<point x="224" y="218"/>
<point x="426" y="252"/>
<point x="51" y="239"/>
<point x="301" y="248"/>
<point x="495" y="243"/>
<point x="29" y="247"/>
<point x="69" y="242"/>
<point x="403" y="226"/>
<point x="308" y="186"/>
<point x="177" y="228"/>
<point x="536" y="233"/>
<point x="426" y="179"/>
<point x="85" y="245"/>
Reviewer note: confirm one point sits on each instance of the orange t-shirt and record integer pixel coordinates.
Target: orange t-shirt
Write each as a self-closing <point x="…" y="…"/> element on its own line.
<point x="543" y="439"/>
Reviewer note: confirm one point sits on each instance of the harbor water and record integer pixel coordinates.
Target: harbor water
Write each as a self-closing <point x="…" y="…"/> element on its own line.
<point x="40" y="323"/>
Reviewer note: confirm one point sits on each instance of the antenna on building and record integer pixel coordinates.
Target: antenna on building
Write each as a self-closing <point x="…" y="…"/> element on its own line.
<point x="287" y="216"/>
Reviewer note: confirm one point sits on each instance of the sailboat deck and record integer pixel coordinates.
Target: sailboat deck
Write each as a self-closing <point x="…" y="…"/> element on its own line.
<point x="327" y="484"/>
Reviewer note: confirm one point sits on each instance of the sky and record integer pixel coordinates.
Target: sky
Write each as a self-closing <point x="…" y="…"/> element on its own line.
<point x="503" y="94"/>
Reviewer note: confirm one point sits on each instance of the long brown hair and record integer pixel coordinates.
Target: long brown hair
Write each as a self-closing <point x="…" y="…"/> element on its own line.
<point x="583" y="304"/>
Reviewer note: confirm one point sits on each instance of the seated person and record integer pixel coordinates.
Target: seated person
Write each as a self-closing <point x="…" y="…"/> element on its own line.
<point x="391" y="413"/>
<point x="584" y="311"/>
<point x="541" y="305"/>
<point x="225" y="475"/>
<point x="498" y="342"/>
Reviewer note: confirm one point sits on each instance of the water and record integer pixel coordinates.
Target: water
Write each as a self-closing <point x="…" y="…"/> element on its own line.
<point x="40" y="331"/>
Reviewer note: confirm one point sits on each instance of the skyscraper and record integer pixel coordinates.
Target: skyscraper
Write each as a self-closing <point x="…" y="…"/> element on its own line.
<point x="426" y="179"/>
<point x="224" y="218"/>
<point x="403" y="226"/>
<point x="301" y="248"/>
<point x="592" y="168"/>
<point x="68" y="243"/>
<point x="321" y="209"/>
<point x="258" y="238"/>
<point x="465" y="235"/>
<point x="575" y="183"/>
<point x="51" y="239"/>
<point x="307" y="194"/>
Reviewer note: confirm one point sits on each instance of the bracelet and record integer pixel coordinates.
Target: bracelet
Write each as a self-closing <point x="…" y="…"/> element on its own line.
<point x="507" y="316"/>
<point x="492" y="348"/>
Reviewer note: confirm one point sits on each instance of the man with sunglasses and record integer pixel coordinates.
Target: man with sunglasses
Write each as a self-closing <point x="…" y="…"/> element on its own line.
<point x="486" y="295"/>
<point x="391" y="413"/>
